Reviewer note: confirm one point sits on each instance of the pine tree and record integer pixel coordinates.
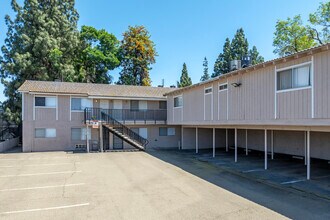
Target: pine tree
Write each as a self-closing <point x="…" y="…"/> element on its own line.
<point x="221" y="65"/>
<point x="205" y="75"/>
<point x="137" y="53"/>
<point x="239" y="45"/>
<point x="185" y="80"/>
<point x="41" y="43"/>
<point x="255" y="57"/>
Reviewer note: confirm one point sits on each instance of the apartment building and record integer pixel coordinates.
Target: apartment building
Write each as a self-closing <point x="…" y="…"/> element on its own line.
<point x="279" y="106"/>
<point x="68" y="116"/>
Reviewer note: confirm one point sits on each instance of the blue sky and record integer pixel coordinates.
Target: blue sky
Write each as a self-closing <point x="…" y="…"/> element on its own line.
<point x="186" y="30"/>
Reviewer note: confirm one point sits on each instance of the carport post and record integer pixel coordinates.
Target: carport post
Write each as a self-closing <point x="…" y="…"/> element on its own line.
<point x="101" y="137"/>
<point x="226" y="140"/>
<point x="246" y="141"/>
<point x="265" y="149"/>
<point x="272" y="143"/>
<point x="305" y="145"/>
<point x="213" y="142"/>
<point x="87" y="141"/>
<point x="235" y="145"/>
<point x="308" y="156"/>
<point x="196" y="140"/>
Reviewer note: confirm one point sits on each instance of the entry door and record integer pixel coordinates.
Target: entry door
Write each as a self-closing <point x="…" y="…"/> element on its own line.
<point x="117" y="113"/>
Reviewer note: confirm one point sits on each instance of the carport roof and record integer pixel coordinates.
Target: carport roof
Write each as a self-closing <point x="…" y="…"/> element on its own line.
<point x="95" y="90"/>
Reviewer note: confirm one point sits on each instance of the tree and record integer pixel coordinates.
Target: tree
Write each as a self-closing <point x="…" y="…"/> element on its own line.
<point x="40" y="44"/>
<point x="255" y="57"/>
<point x="99" y="55"/>
<point x="221" y="65"/>
<point x="137" y="53"/>
<point x="321" y="19"/>
<point x="239" y="45"/>
<point x="185" y="80"/>
<point x="291" y="36"/>
<point x="205" y="75"/>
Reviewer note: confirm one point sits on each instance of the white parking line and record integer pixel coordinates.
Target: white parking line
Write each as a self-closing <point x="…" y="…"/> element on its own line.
<point x="293" y="181"/>
<point x="42" y="187"/>
<point x="39" y="158"/>
<point x="37" y="165"/>
<point x="45" y="209"/>
<point x="39" y="174"/>
<point x="250" y="171"/>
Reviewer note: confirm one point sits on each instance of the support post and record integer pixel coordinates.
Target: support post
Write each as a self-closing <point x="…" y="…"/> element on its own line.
<point x="308" y="156"/>
<point x="196" y="140"/>
<point x="226" y="140"/>
<point x="213" y="139"/>
<point x="266" y="150"/>
<point x="235" y="145"/>
<point x="305" y="146"/>
<point x="87" y="141"/>
<point x="181" y="138"/>
<point x="272" y="143"/>
<point x="101" y="137"/>
<point x="246" y="142"/>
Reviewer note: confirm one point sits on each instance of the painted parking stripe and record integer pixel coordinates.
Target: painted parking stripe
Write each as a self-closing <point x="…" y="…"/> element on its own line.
<point x="39" y="158"/>
<point x="42" y="187"/>
<point x="37" y="165"/>
<point x="45" y="209"/>
<point x="255" y="170"/>
<point x="39" y="174"/>
<point x="293" y="181"/>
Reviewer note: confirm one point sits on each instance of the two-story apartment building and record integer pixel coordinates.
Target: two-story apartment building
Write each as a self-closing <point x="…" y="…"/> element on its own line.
<point x="279" y="106"/>
<point x="66" y="116"/>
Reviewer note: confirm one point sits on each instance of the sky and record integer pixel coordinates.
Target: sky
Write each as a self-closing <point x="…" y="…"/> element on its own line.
<point x="185" y="30"/>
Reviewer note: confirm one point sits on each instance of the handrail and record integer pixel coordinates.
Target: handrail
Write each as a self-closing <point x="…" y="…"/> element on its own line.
<point x="99" y="114"/>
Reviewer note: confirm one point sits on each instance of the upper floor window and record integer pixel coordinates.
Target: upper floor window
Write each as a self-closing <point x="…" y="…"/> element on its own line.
<point x="208" y="90"/>
<point x="294" y="78"/>
<point x="162" y="105"/>
<point x="134" y="105"/>
<point x="178" y="102"/>
<point x="45" y="101"/>
<point x="223" y="87"/>
<point x="81" y="103"/>
<point x="45" y="132"/>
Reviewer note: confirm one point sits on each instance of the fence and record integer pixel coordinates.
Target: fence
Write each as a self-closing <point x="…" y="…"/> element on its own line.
<point x="7" y="144"/>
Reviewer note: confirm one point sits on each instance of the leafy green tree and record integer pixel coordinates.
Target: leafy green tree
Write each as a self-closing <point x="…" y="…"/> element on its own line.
<point x="99" y="55"/>
<point x="320" y="20"/>
<point x="185" y="80"/>
<point x="205" y="75"/>
<point x="40" y="44"/>
<point x="137" y="53"/>
<point x="239" y="45"/>
<point x="291" y="36"/>
<point x="221" y="65"/>
<point x="255" y="57"/>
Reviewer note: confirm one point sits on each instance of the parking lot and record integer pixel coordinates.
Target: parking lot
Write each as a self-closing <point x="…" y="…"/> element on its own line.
<point x="117" y="185"/>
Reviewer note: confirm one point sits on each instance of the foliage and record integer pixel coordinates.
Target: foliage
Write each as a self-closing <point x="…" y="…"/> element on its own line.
<point x="98" y="55"/>
<point x="239" y="45"/>
<point x="320" y="18"/>
<point x="255" y="57"/>
<point x="137" y="53"/>
<point x="185" y="80"/>
<point x="291" y="36"/>
<point x="40" y="44"/>
<point x="221" y="65"/>
<point x="205" y="75"/>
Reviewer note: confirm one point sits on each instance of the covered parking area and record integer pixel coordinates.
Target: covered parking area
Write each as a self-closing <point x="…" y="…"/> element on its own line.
<point x="262" y="148"/>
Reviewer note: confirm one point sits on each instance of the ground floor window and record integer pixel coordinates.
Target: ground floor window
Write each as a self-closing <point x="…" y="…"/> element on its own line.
<point x="45" y="132"/>
<point x="164" y="131"/>
<point x="79" y="134"/>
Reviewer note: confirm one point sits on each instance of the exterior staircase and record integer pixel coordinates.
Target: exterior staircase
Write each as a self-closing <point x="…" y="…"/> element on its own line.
<point x="116" y="128"/>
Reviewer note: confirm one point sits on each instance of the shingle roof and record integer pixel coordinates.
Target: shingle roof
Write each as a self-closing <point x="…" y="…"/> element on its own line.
<point x="93" y="89"/>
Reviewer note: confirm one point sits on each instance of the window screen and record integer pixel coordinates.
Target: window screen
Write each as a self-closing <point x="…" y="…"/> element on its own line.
<point x="45" y="132"/>
<point x="223" y="87"/>
<point x="178" y="101"/>
<point x="76" y="104"/>
<point x="294" y="78"/>
<point x="40" y="101"/>
<point x="162" y="131"/>
<point x="209" y="90"/>
<point x="45" y="101"/>
<point x="162" y="105"/>
<point x="170" y="131"/>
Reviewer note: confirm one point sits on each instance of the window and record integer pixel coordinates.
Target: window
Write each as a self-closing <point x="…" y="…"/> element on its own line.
<point x="79" y="134"/>
<point x="223" y="87"/>
<point x="178" y="101"/>
<point x="208" y="90"/>
<point x="134" y="105"/>
<point x="45" y="101"/>
<point x="162" y="105"/>
<point x="79" y="104"/>
<point x="294" y="78"/>
<point x="163" y="131"/>
<point x="45" y="132"/>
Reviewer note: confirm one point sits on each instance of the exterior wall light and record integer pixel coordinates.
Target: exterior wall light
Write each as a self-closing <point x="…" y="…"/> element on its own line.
<point x="236" y="84"/>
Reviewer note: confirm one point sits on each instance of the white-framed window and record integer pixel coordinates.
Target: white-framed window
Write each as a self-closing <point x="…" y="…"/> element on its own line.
<point x="45" y="132"/>
<point x="223" y="87"/>
<point x="79" y="134"/>
<point x="79" y="104"/>
<point x="178" y="101"/>
<point x="292" y="78"/>
<point x="45" y="101"/>
<point x="164" y="131"/>
<point x="208" y="90"/>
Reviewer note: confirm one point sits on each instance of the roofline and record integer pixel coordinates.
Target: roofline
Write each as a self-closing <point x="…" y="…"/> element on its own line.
<point x="310" y="51"/>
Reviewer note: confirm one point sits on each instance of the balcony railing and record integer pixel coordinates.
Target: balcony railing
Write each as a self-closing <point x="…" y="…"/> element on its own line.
<point x="128" y="115"/>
